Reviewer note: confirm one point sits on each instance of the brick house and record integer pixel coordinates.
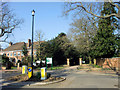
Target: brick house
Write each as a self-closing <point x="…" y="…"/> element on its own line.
<point x="14" y="51"/>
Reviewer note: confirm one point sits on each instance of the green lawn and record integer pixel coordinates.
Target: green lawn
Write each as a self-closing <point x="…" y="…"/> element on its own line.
<point x="13" y="67"/>
<point x="54" y="68"/>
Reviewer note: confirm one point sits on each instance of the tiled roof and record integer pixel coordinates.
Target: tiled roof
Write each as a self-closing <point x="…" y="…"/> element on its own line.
<point x="19" y="45"/>
<point x="34" y="45"/>
<point x="16" y="46"/>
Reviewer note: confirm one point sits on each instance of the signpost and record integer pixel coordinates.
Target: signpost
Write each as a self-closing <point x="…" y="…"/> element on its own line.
<point x="49" y="61"/>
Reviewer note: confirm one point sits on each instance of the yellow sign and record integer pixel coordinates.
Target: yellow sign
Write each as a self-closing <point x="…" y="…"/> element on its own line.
<point x="29" y="72"/>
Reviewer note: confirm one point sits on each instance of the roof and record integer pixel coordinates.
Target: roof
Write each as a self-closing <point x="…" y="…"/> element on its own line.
<point x="16" y="46"/>
<point x="19" y="45"/>
<point x="34" y="44"/>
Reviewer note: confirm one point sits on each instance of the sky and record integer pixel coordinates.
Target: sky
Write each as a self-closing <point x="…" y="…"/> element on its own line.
<point x="49" y="20"/>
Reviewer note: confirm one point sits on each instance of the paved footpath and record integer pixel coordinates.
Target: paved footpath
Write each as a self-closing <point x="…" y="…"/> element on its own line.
<point x="78" y="79"/>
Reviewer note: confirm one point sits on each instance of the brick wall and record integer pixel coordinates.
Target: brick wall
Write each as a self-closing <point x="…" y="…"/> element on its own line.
<point x="109" y="62"/>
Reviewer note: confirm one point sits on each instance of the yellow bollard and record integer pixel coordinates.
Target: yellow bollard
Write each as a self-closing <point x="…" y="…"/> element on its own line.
<point x="29" y="72"/>
<point x="43" y="73"/>
<point x="24" y="69"/>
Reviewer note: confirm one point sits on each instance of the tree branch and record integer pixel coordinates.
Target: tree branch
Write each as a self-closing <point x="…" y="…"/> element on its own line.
<point x="79" y="4"/>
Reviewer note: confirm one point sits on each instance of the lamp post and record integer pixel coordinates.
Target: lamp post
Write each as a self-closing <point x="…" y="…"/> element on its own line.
<point x="33" y="12"/>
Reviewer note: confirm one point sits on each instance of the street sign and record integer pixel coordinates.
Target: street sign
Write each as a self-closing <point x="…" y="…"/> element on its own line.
<point x="49" y="60"/>
<point x="29" y="69"/>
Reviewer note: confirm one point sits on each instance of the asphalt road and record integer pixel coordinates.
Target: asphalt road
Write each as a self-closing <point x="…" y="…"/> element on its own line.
<point x="79" y="79"/>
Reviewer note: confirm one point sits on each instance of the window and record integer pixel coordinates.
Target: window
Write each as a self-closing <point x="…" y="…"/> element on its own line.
<point x="34" y="53"/>
<point x="10" y="54"/>
<point x="29" y="52"/>
<point x="22" y="54"/>
<point x="7" y="54"/>
<point x="14" y="53"/>
<point x="18" y="53"/>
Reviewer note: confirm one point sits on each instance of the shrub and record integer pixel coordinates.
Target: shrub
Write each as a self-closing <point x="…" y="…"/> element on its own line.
<point x="5" y="60"/>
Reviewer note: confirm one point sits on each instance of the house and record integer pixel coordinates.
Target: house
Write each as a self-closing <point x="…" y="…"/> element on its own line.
<point x="14" y="51"/>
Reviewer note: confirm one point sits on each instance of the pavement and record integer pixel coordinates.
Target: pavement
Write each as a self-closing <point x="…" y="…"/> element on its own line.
<point x="72" y="78"/>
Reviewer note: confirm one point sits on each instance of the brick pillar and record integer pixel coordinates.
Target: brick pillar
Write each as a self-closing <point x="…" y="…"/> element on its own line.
<point x="94" y="61"/>
<point x="80" y="61"/>
<point x="18" y="66"/>
<point x="68" y="61"/>
<point x="119" y="66"/>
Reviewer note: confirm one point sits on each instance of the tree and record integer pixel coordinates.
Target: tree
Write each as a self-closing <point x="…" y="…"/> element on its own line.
<point x="92" y="8"/>
<point x="81" y="34"/>
<point x="24" y="50"/>
<point x="105" y="39"/>
<point x="8" y="21"/>
<point x="39" y="39"/>
<point x="4" y="60"/>
<point x="59" y="49"/>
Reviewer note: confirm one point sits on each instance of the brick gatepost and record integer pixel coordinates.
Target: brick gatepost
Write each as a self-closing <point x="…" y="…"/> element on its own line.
<point x="80" y="61"/>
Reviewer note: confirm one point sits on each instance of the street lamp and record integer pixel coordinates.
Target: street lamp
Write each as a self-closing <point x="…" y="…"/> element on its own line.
<point x="33" y="12"/>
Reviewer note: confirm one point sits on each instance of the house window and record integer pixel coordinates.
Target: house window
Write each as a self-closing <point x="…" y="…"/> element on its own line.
<point x="29" y="52"/>
<point x="18" y="53"/>
<point x="34" y="53"/>
<point x="14" y="53"/>
<point x="11" y="54"/>
<point x="7" y="54"/>
<point x="22" y="54"/>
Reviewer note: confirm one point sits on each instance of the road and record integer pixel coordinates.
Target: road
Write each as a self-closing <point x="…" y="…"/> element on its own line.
<point x="79" y="79"/>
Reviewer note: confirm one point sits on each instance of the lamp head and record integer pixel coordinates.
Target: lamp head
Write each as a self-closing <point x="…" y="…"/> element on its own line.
<point x="33" y="12"/>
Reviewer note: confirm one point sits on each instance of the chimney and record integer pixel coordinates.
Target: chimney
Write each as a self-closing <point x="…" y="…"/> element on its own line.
<point x="10" y="44"/>
<point x="29" y="42"/>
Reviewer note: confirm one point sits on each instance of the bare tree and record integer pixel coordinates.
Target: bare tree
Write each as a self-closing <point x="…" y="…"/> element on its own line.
<point x="39" y="39"/>
<point x="8" y="21"/>
<point x="92" y="8"/>
<point x="81" y="34"/>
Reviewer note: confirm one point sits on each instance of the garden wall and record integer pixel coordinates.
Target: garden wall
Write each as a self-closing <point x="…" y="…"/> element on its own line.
<point x="109" y="62"/>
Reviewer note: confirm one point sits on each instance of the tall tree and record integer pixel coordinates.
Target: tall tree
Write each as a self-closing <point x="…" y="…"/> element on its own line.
<point x="39" y="39"/>
<point x="24" y="50"/>
<point x="59" y="48"/>
<point x="81" y="34"/>
<point x="105" y="40"/>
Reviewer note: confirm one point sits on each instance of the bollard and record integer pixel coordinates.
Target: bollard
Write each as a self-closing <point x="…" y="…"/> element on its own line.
<point x="43" y="73"/>
<point x="29" y="72"/>
<point x="24" y="69"/>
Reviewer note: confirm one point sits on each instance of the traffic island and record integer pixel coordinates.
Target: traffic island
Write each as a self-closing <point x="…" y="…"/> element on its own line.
<point x="24" y="80"/>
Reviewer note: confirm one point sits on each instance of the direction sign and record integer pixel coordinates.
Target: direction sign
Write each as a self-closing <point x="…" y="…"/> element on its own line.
<point x="29" y="69"/>
<point x="49" y="60"/>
